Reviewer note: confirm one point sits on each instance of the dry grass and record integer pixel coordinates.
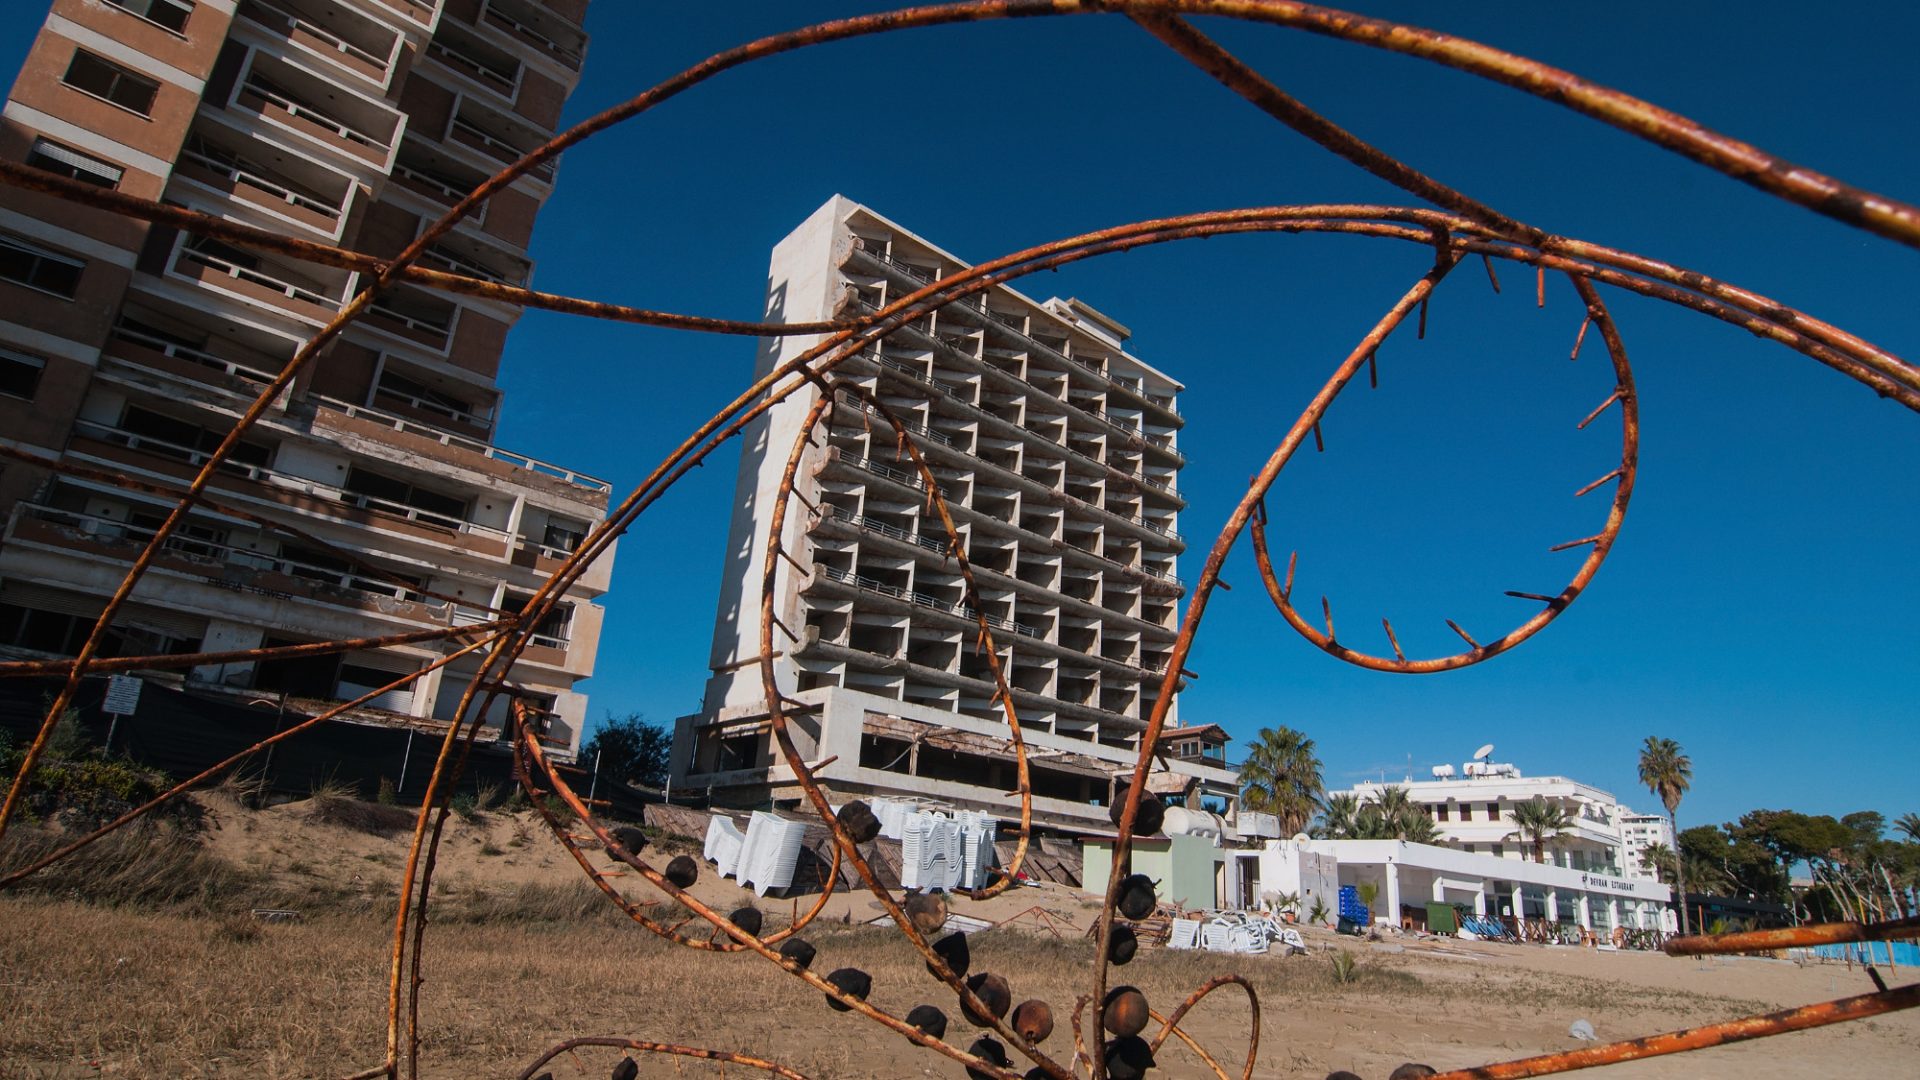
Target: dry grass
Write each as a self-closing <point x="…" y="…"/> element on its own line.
<point x="185" y="995"/>
<point x="347" y="812"/>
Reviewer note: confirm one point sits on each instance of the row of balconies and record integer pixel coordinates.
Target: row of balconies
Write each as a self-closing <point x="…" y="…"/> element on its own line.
<point x="1002" y="416"/>
<point x="1088" y="451"/>
<point x="1008" y="522"/>
<point x="1127" y="429"/>
<point x="1017" y="328"/>
<point x="982" y="471"/>
<point x="1043" y="530"/>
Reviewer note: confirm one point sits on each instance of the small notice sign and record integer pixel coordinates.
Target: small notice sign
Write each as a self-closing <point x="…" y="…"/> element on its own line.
<point x="123" y="695"/>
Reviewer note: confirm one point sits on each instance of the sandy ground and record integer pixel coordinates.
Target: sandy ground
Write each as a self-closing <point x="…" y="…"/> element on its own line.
<point x="130" y="994"/>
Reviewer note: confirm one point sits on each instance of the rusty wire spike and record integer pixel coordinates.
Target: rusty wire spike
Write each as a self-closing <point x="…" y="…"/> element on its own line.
<point x="1422" y="334"/>
<point x="1319" y="444"/>
<point x="1392" y="640"/>
<point x="1373" y="372"/>
<point x="1582" y="542"/>
<point x="1464" y="636"/>
<point x="1492" y="277"/>
<point x="1529" y="596"/>
<point x="1580" y="337"/>
<point x="1326" y="609"/>
<point x="1602" y="407"/>
<point x="1292" y="561"/>
<point x="1609" y="476"/>
<point x="1540" y="287"/>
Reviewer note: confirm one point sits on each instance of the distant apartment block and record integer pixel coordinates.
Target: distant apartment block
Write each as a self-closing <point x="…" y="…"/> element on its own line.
<point x="1056" y="449"/>
<point x="1473" y="810"/>
<point x="130" y="350"/>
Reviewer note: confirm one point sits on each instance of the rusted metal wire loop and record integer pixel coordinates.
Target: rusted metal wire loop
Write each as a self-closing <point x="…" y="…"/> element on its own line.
<point x="1170" y="1024"/>
<point x="1464" y="226"/>
<point x="728" y="1056"/>
<point x="1699" y="1038"/>
<point x="1794" y="937"/>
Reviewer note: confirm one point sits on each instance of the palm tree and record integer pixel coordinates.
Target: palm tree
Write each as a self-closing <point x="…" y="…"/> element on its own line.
<point x="1282" y="777"/>
<point x="1340" y="817"/>
<point x="1393" y="815"/>
<point x="1540" y="822"/>
<point x="1668" y="773"/>
<point x="1909" y="825"/>
<point x="1660" y="859"/>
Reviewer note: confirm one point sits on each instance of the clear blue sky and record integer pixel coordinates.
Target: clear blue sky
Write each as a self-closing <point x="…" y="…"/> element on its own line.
<point x="1757" y="607"/>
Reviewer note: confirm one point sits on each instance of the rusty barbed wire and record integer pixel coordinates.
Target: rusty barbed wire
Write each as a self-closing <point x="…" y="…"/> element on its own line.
<point x="1463" y="226"/>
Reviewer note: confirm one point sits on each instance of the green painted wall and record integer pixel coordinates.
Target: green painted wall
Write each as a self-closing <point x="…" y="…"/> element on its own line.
<point x="1184" y="867"/>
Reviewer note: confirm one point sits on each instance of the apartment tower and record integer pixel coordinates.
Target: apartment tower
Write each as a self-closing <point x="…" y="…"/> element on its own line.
<point x="371" y="499"/>
<point x="1055" y="449"/>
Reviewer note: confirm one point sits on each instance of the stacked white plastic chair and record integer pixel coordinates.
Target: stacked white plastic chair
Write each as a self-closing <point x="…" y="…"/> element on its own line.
<point x="724" y="844"/>
<point x="931" y="855"/>
<point x="770" y="852"/>
<point x="977" y="856"/>
<point x="1184" y="934"/>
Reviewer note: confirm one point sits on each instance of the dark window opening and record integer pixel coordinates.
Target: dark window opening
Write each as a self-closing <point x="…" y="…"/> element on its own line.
<point x="38" y="268"/>
<point x="103" y="78"/>
<point x="20" y="373"/>
<point x="171" y="14"/>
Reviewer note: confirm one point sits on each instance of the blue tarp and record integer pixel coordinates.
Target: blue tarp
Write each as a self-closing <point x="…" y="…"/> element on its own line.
<point x="1904" y="953"/>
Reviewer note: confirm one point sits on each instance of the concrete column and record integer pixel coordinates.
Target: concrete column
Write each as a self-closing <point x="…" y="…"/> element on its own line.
<point x="1480" y="904"/>
<point x="1393" y="895"/>
<point x="1553" y="905"/>
<point x="1583" y="910"/>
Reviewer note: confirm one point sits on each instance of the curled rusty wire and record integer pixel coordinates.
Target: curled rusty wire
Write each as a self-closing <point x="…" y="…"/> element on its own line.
<point x="1461" y="227"/>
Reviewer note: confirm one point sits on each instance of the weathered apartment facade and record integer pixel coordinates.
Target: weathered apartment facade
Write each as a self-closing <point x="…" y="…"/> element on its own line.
<point x="129" y="350"/>
<point x="1055" y="449"/>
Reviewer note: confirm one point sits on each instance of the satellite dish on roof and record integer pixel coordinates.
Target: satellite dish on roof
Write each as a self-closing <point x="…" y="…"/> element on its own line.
<point x="1483" y="753"/>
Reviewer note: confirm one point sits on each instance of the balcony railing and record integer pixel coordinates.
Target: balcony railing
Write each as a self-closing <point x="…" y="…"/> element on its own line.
<point x="255" y="277"/>
<point x="569" y="56"/>
<point x="458" y="416"/>
<point x="488" y="76"/>
<point x="450" y="195"/>
<point x="275" y="478"/>
<point x="884" y="529"/>
<point x="284" y="194"/>
<point x="898" y="476"/>
<point x="448" y="438"/>
<point x="420" y="323"/>
<point x="911" y="425"/>
<point x="318" y="118"/>
<point x="455" y="264"/>
<point x="191" y="355"/>
<point x="208" y="551"/>
<point x="920" y="599"/>
<point x="287" y="22"/>
<point x="167" y="449"/>
<point x="496" y="148"/>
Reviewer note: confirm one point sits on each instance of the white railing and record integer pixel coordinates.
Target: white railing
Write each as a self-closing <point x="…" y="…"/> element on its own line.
<point x="570" y="56"/>
<point x="315" y="117"/>
<point x="460" y="416"/>
<point x="255" y="277"/>
<point x="209" y="551"/>
<point x="499" y="148"/>
<point x="453" y="194"/>
<point x="411" y="322"/>
<point x="477" y="446"/>
<point x="191" y="355"/>
<point x="884" y="529"/>
<point x="920" y="599"/>
<point x="195" y="457"/>
<point x="281" y="19"/>
<point x="498" y="81"/>
<point x="242" y="176"/>
<point x="911" y="425"/>
<point x="459" y="265"/>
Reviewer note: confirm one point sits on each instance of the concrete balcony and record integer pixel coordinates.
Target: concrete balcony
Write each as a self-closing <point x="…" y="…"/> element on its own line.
<point x="417" y="440"/>
<point x="352" y="43"/>
<point x="117" y="446"/>
<point x="258" y="281"/>
<point x="529" y="23"/>
<point x="497" y="139"/>
<point x="286" y="97"/>
<point x="224" y="369"/>
<point x="320" y="203"/>
<point x="227" y="567"/>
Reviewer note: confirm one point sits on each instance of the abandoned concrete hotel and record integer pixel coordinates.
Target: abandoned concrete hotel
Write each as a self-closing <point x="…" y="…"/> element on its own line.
<point x="128" y="349"/>
<point x="1055" y="449"/>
